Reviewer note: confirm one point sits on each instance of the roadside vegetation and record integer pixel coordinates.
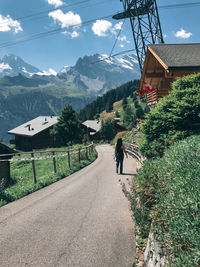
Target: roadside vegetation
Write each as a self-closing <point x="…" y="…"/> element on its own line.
<point x="165" y="194"/>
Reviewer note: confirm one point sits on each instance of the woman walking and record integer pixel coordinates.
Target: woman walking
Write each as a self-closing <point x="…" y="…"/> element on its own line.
<point x="119" y="154"/>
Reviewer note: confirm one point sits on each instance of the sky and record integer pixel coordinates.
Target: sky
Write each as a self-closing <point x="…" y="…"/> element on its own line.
<point x="76" y="28"/>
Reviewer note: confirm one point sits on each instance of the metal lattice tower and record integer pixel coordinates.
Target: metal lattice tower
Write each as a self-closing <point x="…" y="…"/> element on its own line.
<point x="145" y="24"/>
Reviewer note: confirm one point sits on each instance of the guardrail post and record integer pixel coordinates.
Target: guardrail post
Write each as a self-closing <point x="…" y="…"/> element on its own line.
<point x="54" y="162"/>
<point x="33" y="166"/>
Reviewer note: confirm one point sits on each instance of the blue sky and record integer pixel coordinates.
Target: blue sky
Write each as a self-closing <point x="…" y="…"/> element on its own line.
<point x="21" y="18"/>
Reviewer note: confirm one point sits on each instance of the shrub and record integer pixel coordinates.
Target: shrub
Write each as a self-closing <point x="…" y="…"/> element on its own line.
<point x="175" y="117"/>
<point x="178" y="202"/>
<point x="142" y="196"/>
<point x="168" y="190"/>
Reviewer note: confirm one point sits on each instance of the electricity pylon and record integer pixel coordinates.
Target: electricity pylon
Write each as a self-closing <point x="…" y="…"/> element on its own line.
<point x="145" y="24"/>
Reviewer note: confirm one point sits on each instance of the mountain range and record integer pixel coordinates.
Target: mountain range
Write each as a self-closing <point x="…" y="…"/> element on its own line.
<point x="27" y="92"/>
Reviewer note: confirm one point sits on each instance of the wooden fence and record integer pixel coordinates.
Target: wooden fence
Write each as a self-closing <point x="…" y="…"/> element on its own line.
<point x="132" y="150"/>
<point x="87" y="150"/>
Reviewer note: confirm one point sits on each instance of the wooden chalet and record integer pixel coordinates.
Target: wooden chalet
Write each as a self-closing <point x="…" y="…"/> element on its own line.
<point x="92" y="128"/>
<point x="34" y="134"/>
<point x="164" y="63"/>
<point x="5" y="152"/>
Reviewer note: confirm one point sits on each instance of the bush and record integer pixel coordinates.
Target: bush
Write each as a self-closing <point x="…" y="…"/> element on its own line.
<point x="175" y="117"/>
<point x="168" y="190"/>
<point x="177" y="212"/>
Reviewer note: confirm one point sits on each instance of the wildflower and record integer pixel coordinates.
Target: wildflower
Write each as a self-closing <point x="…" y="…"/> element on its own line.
<point x="138" y="203"/>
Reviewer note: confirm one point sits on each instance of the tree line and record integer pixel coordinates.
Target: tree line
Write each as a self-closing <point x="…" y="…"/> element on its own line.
<point x="105" y="102"/>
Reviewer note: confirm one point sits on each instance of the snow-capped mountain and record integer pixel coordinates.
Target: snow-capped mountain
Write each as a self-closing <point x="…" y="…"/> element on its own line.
<point x="92" y="74"/>
<point x="25" y="91"/>
<point x="11" y="65"/>
<point x="99" y="73"/>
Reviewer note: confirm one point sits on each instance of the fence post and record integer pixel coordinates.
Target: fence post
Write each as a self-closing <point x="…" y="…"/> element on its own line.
<point x="54" y="162"/>
<point x="33" y="166"/>
<point x="79" y="155"/>
<point x="86" y="152"/>
<point x="69" y="159"/>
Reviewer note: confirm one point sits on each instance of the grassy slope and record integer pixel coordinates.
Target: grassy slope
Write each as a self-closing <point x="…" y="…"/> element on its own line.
<point x="22" y="174"/>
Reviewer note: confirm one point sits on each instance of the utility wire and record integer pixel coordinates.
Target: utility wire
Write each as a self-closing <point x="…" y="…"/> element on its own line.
<point x="50" y="10"/>
<point x="59" y="8"/>
<point x="117" y="37"/>
<point x="117" y="54"/>
<point x="183" y="5"/>
<point x="46" y="33"/>
<point x="39" y="35"/>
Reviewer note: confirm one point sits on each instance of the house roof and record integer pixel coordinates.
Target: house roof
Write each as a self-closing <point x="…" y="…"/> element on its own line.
<point x="93" y="124"/>
<point x="34" y="126"/>
<point x="177" y="56"/>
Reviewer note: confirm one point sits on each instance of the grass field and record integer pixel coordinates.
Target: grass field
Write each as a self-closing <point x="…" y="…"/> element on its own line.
<point x="22" y="179"/>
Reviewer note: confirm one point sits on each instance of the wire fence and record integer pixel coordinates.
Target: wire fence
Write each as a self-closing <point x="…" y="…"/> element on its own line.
<point x="44" y="162"/>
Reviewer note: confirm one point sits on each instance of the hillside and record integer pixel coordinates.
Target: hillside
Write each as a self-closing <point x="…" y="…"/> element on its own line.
<point x="122" y="102"/>
<point x="27" y="95"/>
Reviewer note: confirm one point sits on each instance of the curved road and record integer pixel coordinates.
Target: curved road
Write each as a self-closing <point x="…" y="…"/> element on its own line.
<point x="82" y="221"/>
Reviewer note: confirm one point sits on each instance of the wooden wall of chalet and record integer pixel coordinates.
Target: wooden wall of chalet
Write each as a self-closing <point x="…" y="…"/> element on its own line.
<point x="156" y="75"/>
<point x="39" y="141"/>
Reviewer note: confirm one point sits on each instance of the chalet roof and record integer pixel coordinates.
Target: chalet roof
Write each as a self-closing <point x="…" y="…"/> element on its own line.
<point x="177" y="56"/>
<point x="93" y="124"/>
<point x="34" y="126"/>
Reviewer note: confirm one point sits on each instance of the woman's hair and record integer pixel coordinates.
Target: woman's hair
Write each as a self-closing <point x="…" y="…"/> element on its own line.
<point x="119" y="143"/>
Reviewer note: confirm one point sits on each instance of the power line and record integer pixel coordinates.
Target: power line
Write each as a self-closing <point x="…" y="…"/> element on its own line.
<point x="183" y="5"/>
<point x="46" y="33"/>
<point x="59" y="8"/>
<point x="117" y="54"/>
<point x="50" y="10"/>
<point x="117" y="37"/>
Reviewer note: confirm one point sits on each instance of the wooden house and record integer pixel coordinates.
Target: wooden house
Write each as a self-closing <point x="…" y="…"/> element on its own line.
<point x="34" y="134"/>
<point x="92" y="128"/>
<point x="5" y="152"/>
<point x="164" y="63"/>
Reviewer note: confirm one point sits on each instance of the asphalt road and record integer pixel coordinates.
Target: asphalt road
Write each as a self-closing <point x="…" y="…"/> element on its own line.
<point x="83" y="221"/>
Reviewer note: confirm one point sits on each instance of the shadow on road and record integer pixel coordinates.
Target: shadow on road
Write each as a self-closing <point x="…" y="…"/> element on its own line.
<point x="124" y="173"/>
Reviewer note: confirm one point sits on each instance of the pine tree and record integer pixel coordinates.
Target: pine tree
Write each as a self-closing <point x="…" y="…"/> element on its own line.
<point x="68" y="129"/>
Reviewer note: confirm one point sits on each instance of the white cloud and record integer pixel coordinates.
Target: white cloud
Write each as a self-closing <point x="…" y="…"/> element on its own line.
<point x="73" y="34"/>
<point x="121" y="45"/>
<point x="183" y="34"/>
<point x="7" y="24"/>
<point x="55" y="3"/>
<point x="123" y="38"/>
<point x="118" y="26"/>
<point x="65" y="20"/>
<point x="101" y="27"/>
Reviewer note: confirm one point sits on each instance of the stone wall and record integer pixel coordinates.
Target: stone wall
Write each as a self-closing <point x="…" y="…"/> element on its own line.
<point x="154" y="255"/>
